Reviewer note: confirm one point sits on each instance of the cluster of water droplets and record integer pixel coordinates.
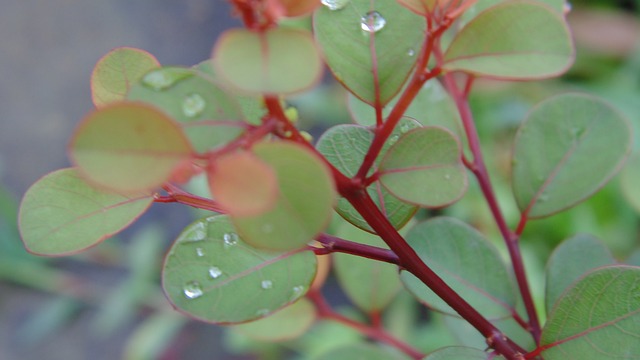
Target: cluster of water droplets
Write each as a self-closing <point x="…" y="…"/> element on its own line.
<point x="230" y="239"/>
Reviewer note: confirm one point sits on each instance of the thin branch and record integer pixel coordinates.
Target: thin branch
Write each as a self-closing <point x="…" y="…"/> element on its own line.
<point x="335" y="244"/>
<point x="377" y="333"/>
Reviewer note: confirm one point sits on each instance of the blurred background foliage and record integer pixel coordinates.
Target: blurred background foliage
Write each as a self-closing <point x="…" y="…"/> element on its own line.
<point x="107" y="303"/>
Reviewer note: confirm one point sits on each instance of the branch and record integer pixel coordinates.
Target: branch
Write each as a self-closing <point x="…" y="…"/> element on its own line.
<point x="335" y="244"/>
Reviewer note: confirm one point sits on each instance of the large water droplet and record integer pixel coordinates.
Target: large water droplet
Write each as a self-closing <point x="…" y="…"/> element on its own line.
<point x="215" y="272"/>
<point x="193" y="105"/>
<point x="199" y="252"/>
<point x="230" y="239"/>
<point x="192" y="290"/>
<point x="161" y="79"/>
<point x="266" y="284"/>
<point x="335" y="4"/>
<point x="372" y="22"/>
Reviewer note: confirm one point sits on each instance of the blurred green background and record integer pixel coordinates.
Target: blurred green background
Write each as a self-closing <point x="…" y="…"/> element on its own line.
<point x="106" y="303"/>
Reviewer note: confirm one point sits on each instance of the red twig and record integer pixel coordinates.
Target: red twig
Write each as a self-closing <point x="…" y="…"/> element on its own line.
<point x="335" y="244"/>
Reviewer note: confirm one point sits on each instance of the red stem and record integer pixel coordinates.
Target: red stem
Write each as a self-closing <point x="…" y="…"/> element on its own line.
<point x="478" y="168"/>
<point x="335" y="244"/>
<point x="377" y="333"/>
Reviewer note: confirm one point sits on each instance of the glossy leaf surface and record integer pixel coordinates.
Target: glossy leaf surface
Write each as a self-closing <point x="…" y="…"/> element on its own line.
<point x="598" y="318"/>
<point x="348" y="48"/>
<point x="286" y="324"/>
<point x="572" y="259"/>
<point x="537" y="44"/>
<point x="568" y="147"/>
<point x="117" y="71"/>
<point x="243" y="184"/>
<point x="211" y="274"/>
<point x="467" y="262"/>
<point x="208" y="115"/>
<point x="345" y="146"/>
<point x="128" y="147"/>
<point x="277" y="61"/>
<point x="424" y="167"/>
<point x="305" y="202"/>
<point x="370" y="284"/>
<point x="62" y="214"/>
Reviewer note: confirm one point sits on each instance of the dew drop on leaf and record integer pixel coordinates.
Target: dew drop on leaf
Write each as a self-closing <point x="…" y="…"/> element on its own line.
<point x="192" y="290"/>
<point x="266" y="284"/>
<point x="162" y="79"/>
<point x="262" y="312"/>
<point x="198" y="233"/>
<point x="297" y="292"/>
<point x="372" y="22"/>
<point x="543" y="198"/>
<point x="335" y="4"/>
<point x="447" y="176"/>
<point x="193" y="105"/>
<point x="215" y="272"/>
<point x="411" y="52"/>
<point x="199" y="252"/>
<point x="230" y="239"/>
<point x="393" y="139"/>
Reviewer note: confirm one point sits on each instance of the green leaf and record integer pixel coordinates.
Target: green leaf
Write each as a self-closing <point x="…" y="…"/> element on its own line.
<point x="211" y="274"/>
<point x="572" y="259"/>
<point x="467" y="335"/>
<point x="598" y="318"/>
<point x="537" y="44"/>
<point x="432" y="106"/>
<point x="567" y="148"/>
<point x="629" y="180"/>
<point x="370" y="284"/>
<point x="345" y="146"/>
<point x="347" y="48"/>
<point x="128" y="147"/>
<point x="286" y="324"/>
<point x="153" y="336"/>
<point x="360" y="351"/>
<point x="276" y="61"/>
<point x="467" y="262"/>
<point x="61" y="214"/>
<point x="305" y="200"/>
<point x="458" y="353"/>
<point x="481" y="5"/>
<point x="208" y="115"/>
<point x="425" y="168"/>
<point x="116" y="72"/>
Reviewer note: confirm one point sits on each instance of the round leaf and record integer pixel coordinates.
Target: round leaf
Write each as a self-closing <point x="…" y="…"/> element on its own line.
<point x="345" y="146"/>
<point x="305" y="202"/>
<point x="572" y="259"/>
<point x="276" y="61"/>
<point x="211" y="274"/>
<point x="359" y="351"/>
<point x="629" y="181"/>
<point x="208" y="115"/>
<point x="567" y="148"/>
<point x="424" y="168"/>
<point x="371" y="285"/>
<point x="243" y="184"/>
<point x="516" y="40"/>
<point x="598" y="318"/>
<point x="116" y="72"/>
<point x="458" y="353"/>
<point x="61" y="214"/>
<point x="286" y="324"/>
<point x="128" y="147"/>
<point x="467" y="262"/>
<point x="347" y="47"/>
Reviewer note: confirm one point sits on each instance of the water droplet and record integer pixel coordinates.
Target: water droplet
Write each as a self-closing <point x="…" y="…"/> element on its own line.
<point x="192" y="290"/>
<point x="198" y="233"/>
<point x="372" y="22"/>
<point x="404" y="128"/>
<point x="266" y="284"/>
<point x="230" y="239"/>
<point x="393" y="139"/>
<point x="215" y="272"/>
<point x="335" y="4"/>
<point x="199" y="252"/>
<point x="543" y="198"/>
<point x="267" y="228"/>
<point x="447" y="176"/>
<point x="262" y="312"/>
<point x="193" y="105"/>
<point x="297" y="292"/>
<point x="411" y="52"/>
<point x="164" y="78"/>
